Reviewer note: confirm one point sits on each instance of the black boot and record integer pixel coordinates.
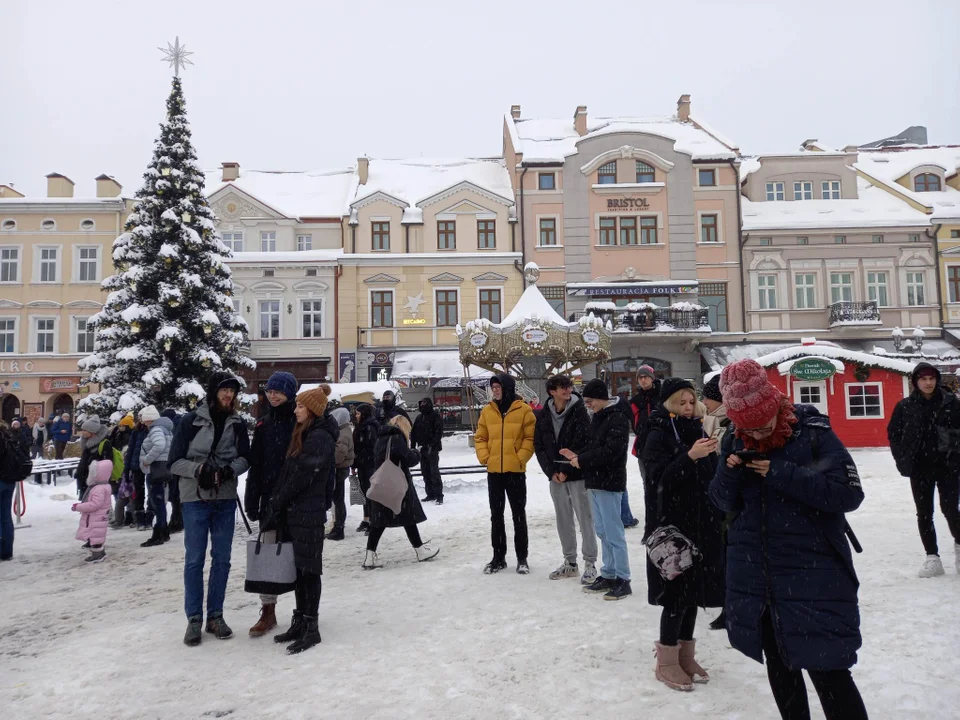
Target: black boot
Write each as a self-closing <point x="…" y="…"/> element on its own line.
<point x="176" y="519"/>
<point x="336" y="533"/>
<point x="166" y="533"/>
<point x="156" y="539"/>
<point x="309" y="638"/>
<point x="298" y="627"/>
<point x="720" y="623"/>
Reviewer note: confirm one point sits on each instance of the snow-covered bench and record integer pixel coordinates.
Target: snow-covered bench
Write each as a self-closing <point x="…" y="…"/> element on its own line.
<point x="52" y="468"/>
<point x="453" y="470"/>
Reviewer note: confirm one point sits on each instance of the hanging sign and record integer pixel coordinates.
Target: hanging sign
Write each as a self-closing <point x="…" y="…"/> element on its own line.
<point x="812" y="369"/>
<point x="534" y="335"/>
<point x="591" y="337"/>
<point x="478" y="340"/>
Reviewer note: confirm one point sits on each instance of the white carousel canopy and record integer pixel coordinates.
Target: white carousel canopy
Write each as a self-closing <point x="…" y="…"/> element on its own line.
<point x="532" y="304"/>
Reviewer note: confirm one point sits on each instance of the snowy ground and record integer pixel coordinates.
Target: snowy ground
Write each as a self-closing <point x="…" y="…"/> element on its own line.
<point x="435" y="640"/>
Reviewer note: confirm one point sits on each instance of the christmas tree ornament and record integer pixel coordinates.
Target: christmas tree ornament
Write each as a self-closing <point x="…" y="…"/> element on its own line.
<point x="165" y="171"/>
<point x="185" y="217"/>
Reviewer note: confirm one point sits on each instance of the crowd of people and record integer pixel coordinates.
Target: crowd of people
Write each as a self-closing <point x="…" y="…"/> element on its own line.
<point x="745" y="496"/>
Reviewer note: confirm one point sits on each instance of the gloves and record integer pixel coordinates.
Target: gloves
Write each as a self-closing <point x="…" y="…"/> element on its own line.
<point x="74" y="507"/>
<point x="227" y="474"/>
<point x="206" y="477"/>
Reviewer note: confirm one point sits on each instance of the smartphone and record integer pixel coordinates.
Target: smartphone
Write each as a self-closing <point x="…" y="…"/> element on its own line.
<point x="750" y="455"/>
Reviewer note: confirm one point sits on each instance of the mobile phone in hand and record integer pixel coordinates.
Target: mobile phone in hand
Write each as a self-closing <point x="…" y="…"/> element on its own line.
<point x="750" y="455"/>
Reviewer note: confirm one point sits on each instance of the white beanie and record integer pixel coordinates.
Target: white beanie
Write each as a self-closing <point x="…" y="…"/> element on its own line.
<point x="149" y="414"/>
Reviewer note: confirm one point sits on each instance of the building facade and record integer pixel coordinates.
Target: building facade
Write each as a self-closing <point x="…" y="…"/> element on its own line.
<point x="54" y="253"/>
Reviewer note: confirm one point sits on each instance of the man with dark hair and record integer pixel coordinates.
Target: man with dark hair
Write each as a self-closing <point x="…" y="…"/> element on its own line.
<point x="564" y="423"/>
<point x="428" y="436"/>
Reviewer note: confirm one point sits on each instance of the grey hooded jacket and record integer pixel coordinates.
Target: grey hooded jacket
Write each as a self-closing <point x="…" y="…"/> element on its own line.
<point x="156" y="446"/>
<point x="187" y="456"/>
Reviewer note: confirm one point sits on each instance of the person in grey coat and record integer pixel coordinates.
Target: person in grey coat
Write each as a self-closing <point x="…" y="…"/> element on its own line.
<point x="153" y="464"/>
<point x="209" y="452"/>
<point x="344" y="460"/>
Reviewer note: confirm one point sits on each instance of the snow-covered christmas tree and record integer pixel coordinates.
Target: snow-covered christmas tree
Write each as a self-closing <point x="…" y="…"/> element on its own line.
<point x="169" y="319"/>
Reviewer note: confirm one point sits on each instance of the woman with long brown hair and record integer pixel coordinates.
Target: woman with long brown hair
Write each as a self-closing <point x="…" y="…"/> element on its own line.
<point x="298" y="511"/>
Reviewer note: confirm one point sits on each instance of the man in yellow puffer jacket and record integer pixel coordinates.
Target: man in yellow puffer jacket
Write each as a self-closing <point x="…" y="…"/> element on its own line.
<point x="504" y="442"/>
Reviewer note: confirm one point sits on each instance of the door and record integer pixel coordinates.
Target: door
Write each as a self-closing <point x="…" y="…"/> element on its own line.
<point x="811" y="393"/>
<point x="11" y="408"/>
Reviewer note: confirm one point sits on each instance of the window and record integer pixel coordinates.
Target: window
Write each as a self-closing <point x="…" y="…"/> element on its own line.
<point x="648" y="231"/>
<point x="926" y="182"/>
<point x="803" y="191"/>
<point x="547" y="181"/>
<point x="447" y="235"/>
<point x="707" y="177"/>
<point x="237" y="302"/>
<point x="810" y="394"/>
<point x="766" y="241"/>
<point x="953" y="282"/>
<point x="45" y="335"/>
<point x="9" y="264"/>
<point x="8" y="335"/>
<point x="608" y="231"/>
<point x="304" y="242"/>
<point x="708" y="229"/>
<point x="803" y="240"/>
<point x="311" y="315"/>
<point x="628" y="231"/>
<point x="839" y="239"/>
<point x="84" y="336"/>
<point x="864" y="400"/>
<point x="775" y="191"/>
<point x="87" y="225"/>
<point x="381" y="305"/>
<point x="268" y="241"/>
<point x="9" y="225"/>
<point x="48" y="264"/>
<point x="555" y="296"/>
<point x="830" y="189"/>
<point x="714" y="297"/>
<point x="955" y="233"/>
<point x="877" y="288"/>
<point x="548" y="232"/>
<point x="490" y="305"/>
<point x="878" y="238"/>
<point x="446" y="308"/>
<point x="767" y="285"/>
<point x="48" y="225"/>
<point x="645" y="173"/>
<point x="487" y="234"/>
<point x="269" y="319"/>
<point x="914" y="237"/>
<point x="916" y="294"/>
<point x="88" y="264"/>
<point x="310" y="272"/>
<point x="806" y="287"/>
<point x="268" y="273"/>
<point x="841" y="287"/>
<point x="381" y="235"/>
<point x="607" y="174"/>
<point x="233" y="240"/>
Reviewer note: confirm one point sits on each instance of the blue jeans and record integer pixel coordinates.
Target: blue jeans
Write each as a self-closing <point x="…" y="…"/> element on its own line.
<point x="214" y="518"/>
<point x="6" y="519"/>
<point x="158" y="503"/>
<point x="613" y="538"/>
<point x="626" y="517"/>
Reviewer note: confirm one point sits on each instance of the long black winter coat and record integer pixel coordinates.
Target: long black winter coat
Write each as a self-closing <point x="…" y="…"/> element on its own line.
<point x="411" y="512"/>
<point x="676" y="493"/>
<point x="574" y="434"/>
<point x="303" y="493"/>
<point x="642" y="406"/>
<point x="365" y="444"/>
<point x="913" y="435"/>
<point x="131" y="457"/>
<point x="787" y="549"/>
<point x="271" y="439"/>
<point x="428" y="428"/>
<point x="604" y="461"/>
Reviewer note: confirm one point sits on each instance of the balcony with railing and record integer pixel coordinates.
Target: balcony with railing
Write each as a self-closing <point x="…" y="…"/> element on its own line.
<point x="687" y="319"/>
<point x="855" y="313"/>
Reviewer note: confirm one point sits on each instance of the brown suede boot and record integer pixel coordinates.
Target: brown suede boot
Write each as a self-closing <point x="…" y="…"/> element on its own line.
<point x="689" y="664"/>
<point x="668" y="670"/>
<point x="267" y="621"/>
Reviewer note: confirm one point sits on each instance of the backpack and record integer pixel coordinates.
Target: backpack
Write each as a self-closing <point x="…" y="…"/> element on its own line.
<point x="16" y="464"/>
<point x="117" y="462"/>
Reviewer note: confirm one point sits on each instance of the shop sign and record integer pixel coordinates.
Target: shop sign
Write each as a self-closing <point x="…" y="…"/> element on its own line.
<point x="59" y="385"/>
<point x="591" y="337"/>
<point x="378" y="373"/>
<point x="632" y="290"/>
<point x="14" y="366"/>
<point x="420" y="383"/>
<point x="627" y="203"/>
<point x="381" y="358"/>
<point x="414" y="321"/>
<point x="812" y="369"/>
<point x="533" y="335"/>
<point x="478" y="340"/>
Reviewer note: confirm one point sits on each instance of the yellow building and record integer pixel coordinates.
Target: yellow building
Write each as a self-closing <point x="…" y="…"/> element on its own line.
<point x="54" y="253"/>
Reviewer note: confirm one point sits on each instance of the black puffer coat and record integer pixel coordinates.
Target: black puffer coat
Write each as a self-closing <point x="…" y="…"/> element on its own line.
<point x="642" y="406"/>
<point x="574" y="435"/>
<point x="304" y="491"/>
<point x="365" y="444"/>
<point x="411" y="512"/>
<point x="271" y="439"/>
<point x="676" y="492"/>
<point x="428" y="427"/>
<point x="604" y="461"/>
<point x="915" y="428"/>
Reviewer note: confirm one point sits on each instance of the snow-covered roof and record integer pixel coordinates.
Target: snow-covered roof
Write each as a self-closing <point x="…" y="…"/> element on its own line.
<point x="433" y="364"/>
<point x="305" y="256"/>
<point x="417" y="179"/>
<point x="308" y="194"/>
<point x="874" y="207"/>
<point x="338" y="391"/>
<point x="834" y="352"/>
<point x="552" y="140"/>
<point x="893" y="164"/>
<point x="532" y="304"/>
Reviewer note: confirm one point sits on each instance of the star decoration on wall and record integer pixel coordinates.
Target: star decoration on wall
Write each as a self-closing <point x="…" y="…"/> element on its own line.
<point x="176" y="55"/>
<point x="414" y="302"/>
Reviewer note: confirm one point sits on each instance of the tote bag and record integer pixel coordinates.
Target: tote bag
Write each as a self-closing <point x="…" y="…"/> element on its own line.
<point x="388" y="485"/>
<point x="271" y="569"/>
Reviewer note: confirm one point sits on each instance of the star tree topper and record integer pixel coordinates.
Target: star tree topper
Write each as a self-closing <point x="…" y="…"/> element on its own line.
<point x="176" y="55"/>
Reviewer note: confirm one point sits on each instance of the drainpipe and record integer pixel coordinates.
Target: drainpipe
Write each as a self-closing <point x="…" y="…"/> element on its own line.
<point x="741" y="241"/>
<point x="353" y="238"/>
<point x="336" y="324"/>
<point x="406" y="238"/>
<point x="513" y="237"/>
<point x="936" y="260"/>
<point x="523" y="229"/>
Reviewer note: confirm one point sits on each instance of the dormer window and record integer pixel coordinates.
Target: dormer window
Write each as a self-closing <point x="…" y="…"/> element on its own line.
<point x="926" y="182"/>
<point x="645" y="173"/>
<point x="48" y="225"/>
<point x="607" y="174"/>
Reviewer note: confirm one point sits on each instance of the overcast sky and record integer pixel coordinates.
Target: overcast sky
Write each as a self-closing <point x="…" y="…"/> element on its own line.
<point x="298" y="84"/>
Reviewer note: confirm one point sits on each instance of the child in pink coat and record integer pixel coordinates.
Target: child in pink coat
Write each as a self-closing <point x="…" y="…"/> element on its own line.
<point x="94" y="509"/>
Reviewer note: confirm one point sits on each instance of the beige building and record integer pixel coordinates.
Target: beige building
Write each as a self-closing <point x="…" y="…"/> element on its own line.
<point x="54" y="253"/>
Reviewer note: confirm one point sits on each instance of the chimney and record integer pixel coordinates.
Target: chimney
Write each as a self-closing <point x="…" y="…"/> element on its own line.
<point x="515" y="112"/>
<point x="363" y="169"/>
<point x="580" y="120"/>
<point x="811" y="145"/>
<point x="59" y="186"/>
<point x="851" y="149"/>
<point x="683" y="108"/>
<point x="231" y="171"/>
<point x="7" y="191"/>
<point x="107" y="187"/>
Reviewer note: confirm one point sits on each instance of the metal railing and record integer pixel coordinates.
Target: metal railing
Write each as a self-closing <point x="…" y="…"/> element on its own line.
<point x="651" y="319"/>
<point x="851" y="313"/>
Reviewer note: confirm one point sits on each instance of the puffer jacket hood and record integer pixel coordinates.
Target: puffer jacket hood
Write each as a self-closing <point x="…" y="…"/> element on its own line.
<point x="341" y="416"/>
<point x="164" y="423"/>
<point x="915" y="375"/>
<point x="509" y="386"/>
<point x="425" y="405"/>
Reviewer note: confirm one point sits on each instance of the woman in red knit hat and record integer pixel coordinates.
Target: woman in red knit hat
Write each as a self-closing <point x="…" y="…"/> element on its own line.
<point x="791" y="586"/>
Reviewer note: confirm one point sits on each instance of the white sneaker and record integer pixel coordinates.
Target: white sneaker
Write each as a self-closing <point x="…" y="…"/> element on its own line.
<point x="425" y="552"/>
<point x="370" y="560"/>
<point x="931" y="567"/>
<point x="564" y="571"/>
<point x="589" y="574"/>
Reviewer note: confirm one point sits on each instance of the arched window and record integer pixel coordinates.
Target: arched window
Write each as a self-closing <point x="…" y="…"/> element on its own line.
<point x="607" y="174"/>
<point x="926" y="182"/>
<point x="645" y="173"/>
